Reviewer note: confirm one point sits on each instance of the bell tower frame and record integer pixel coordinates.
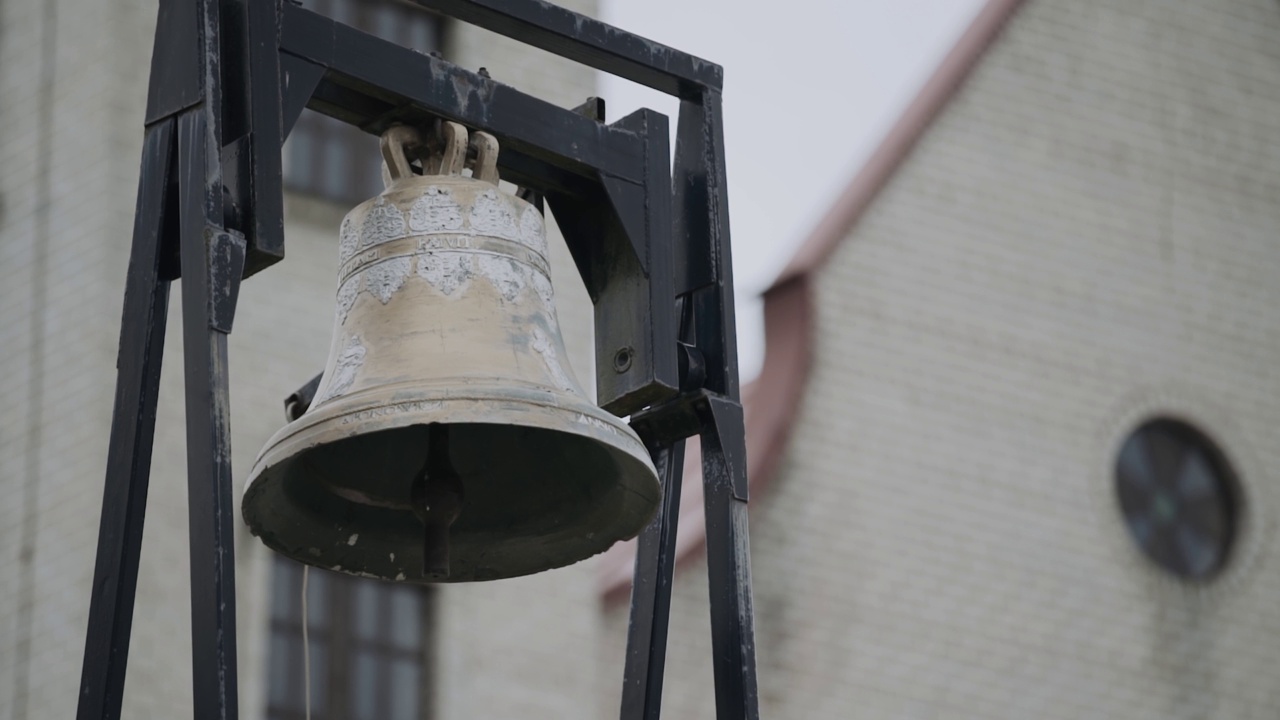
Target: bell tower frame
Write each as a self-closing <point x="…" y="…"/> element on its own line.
<point x="650" y="238"/>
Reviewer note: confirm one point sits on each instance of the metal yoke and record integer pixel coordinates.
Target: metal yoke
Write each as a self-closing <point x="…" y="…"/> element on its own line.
<point x="228" y="80"/>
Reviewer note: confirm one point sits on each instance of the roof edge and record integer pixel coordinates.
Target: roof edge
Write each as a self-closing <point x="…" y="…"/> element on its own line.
<point x="901" y="139"/>
<point x="772" y="401"/>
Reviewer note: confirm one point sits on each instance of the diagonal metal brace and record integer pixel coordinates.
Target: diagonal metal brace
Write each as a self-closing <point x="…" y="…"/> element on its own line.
<point x="723" y="417"/>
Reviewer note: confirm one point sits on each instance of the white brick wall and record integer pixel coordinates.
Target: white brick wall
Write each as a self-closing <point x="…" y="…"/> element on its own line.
<point x="64" y="223"/>
<point x="1087" y="235"/>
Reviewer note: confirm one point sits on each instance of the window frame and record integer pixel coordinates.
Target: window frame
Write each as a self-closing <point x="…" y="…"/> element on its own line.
<point x="337" y="632"/>
<point x="1226" y="492"/>
<point x="330" y="160"/>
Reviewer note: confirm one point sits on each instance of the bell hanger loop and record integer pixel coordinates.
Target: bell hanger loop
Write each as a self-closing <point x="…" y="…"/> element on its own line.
<point x="485" y="166"/>
<point x="447" y="152"/>
<point x="400" y="144"/>
<point x="395" y="143"/>
<point x="453" y="151"/>
<point x="457" y="149"/>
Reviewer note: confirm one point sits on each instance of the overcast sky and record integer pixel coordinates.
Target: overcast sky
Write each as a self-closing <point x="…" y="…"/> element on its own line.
<point x="835" y="73"/>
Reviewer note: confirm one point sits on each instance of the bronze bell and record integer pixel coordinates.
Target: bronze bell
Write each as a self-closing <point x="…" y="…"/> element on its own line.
<point x="449" y="439"/>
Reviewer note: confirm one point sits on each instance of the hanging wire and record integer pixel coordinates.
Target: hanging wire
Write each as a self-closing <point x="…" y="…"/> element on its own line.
<point x="306" y="649"/>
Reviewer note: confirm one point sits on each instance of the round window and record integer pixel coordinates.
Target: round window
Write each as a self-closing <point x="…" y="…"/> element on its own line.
<point x="1178" y="497"/>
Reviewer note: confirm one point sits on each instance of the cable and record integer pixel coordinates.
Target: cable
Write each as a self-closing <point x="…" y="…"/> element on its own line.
<point x="306" y="649"/>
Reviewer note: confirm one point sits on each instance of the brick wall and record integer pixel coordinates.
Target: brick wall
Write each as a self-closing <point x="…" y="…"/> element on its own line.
<point x="66" y="204"/>
<point x="1087" y="235"/>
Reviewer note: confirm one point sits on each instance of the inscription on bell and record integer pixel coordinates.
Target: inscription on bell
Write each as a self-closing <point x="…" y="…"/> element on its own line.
<point x="345" y="368"/>
<point x="597" y="423"/>
<point x="409" y="407"/>
<point x="449" y="242"/>
<point x="349" y="266"/>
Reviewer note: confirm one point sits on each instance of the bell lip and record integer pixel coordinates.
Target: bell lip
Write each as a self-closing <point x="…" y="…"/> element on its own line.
<point x="409" y="393"/>
<point x="473" y="406"/>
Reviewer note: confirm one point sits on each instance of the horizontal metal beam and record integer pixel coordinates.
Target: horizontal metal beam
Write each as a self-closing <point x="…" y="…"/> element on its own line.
<point x="372" y="83"/>
<point x="588" y="41"/>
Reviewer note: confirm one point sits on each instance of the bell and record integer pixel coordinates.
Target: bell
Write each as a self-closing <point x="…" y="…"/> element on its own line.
<point x="448" y="439"/>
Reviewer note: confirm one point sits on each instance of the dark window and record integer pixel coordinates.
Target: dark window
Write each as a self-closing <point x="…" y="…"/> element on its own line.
<point x="367" y="643"/>
<point x="1178" y="496"/>
<point x="331" y="159"/>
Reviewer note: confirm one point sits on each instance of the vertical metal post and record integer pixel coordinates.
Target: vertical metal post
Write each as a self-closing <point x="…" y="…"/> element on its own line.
<point x="702" y="238"/>
<point x="212" y="263"/>
<point x="124" y="500"/>
<point x="703" y="252"/>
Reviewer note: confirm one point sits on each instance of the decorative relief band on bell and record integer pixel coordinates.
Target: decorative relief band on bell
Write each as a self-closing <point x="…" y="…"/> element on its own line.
<point x="532" y="233"/>
<point x="383" y="223"/>
<point x="345" y="368"/>
<point x="348" y="242"/>
<point x="542" y="345"/>
<point x="491" y="215"/>
<point x="448" y="272"/>
<point x="384" y="278"/>
<point x="347" y="293"/>
<point x="507" y="276"/>
<point x="411" y="246"/>
<point x="542" y="285"/>
<point x="436" y="212"/>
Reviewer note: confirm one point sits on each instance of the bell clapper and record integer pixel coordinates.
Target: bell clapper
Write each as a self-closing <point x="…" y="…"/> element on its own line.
<point x="436" y="496"/>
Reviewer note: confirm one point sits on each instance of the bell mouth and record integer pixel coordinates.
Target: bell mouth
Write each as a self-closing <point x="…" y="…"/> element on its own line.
<point x="534" y="498"/>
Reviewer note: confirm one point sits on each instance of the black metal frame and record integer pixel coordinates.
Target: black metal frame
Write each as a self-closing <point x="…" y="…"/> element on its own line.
<point x="651" y="241"/>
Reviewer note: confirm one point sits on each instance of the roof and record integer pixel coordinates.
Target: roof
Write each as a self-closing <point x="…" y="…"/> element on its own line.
<point x="772" y="401"/>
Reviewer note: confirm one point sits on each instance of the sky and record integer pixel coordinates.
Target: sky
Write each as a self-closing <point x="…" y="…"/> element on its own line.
<point x="834" y="74"/>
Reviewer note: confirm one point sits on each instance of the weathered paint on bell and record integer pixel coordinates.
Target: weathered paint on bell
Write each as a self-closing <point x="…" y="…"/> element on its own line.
<point x="445" y="315"/>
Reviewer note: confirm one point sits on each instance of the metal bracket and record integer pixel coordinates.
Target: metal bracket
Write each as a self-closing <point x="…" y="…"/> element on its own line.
<point x="226" y="267"/>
